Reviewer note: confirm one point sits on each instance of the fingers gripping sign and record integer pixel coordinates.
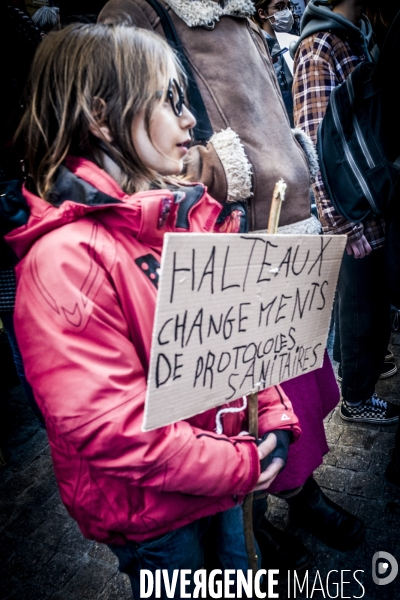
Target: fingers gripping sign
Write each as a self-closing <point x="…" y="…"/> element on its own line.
<point x="269" y="468"/>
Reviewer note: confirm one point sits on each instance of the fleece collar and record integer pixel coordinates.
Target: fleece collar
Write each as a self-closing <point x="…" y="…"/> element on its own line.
<point x="205" y="13"/>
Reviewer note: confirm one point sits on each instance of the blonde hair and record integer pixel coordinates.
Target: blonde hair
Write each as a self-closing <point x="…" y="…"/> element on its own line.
<point x="86" y="76"/>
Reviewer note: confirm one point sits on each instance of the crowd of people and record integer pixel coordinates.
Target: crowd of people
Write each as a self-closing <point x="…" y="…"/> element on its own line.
<point x="125" y="107"/>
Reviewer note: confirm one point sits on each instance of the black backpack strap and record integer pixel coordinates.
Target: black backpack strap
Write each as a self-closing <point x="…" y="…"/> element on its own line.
<point x="203" y="129"/>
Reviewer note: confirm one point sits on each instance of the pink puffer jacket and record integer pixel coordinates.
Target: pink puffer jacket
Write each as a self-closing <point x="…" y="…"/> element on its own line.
<point x="84" y="313"/>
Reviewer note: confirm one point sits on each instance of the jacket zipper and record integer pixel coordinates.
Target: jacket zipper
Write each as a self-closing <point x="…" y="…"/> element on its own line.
<point x="360" y="137"/>
<point x="350" y="158"/>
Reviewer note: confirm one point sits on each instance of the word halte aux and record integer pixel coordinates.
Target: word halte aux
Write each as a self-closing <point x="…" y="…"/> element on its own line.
<point x="237" y="313"/>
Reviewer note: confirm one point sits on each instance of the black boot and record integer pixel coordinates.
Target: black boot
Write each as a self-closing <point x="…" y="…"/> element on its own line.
<point x="280" y="549"/>
<point x="328" y="521"/>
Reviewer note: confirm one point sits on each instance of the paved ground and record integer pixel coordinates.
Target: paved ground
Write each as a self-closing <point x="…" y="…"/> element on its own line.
<point x="44" y="556"/>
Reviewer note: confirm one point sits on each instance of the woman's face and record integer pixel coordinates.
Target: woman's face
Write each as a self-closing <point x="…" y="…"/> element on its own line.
<point x="267" y="14"/>
<point x="165" y="148"/>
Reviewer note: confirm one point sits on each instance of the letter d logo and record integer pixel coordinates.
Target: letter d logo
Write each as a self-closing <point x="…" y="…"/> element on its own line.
<point x="383" y="568"/>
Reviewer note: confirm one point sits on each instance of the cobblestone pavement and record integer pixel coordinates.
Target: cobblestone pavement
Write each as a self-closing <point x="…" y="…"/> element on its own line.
<point x="44" y="556"/>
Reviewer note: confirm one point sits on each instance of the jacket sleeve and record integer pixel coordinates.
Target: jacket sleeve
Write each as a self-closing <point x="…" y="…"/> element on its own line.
<point x="276" y="412"/>
<point x="86" y="368"/>
<point x="314" y="80"/>
<point x="222" y="165"/>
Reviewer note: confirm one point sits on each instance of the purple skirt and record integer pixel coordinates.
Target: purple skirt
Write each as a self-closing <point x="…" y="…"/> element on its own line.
<point x="313" y="396"/>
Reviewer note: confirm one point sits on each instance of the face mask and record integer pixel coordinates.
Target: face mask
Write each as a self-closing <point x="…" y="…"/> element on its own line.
<point x="283" y="20"/>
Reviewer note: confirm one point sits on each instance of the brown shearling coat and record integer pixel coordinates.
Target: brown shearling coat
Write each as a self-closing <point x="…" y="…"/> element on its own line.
<point x="234" y="73"/>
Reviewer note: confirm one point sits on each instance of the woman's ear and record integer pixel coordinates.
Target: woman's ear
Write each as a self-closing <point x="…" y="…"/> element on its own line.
<point x="99" y="128"/>
<point x="101" y="131"/>
<point x="261" y="14"/>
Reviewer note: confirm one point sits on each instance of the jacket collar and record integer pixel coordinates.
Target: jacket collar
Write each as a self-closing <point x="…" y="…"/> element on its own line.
<point x="82" y="188"/>
<point x="205" y="13"/>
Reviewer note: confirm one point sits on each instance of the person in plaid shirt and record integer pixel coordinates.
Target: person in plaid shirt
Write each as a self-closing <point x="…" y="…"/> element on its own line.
<point x="335" y="38"/>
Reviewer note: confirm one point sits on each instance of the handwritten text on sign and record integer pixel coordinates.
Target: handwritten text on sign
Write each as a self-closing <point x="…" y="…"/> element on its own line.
<point x="234" y="313"/>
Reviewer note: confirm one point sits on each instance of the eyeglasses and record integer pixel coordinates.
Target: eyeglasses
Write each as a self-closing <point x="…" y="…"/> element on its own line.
<point x="176" y="97"/>
<point x="281" y="6"/>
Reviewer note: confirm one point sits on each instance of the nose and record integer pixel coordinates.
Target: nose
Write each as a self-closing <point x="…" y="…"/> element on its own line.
<point x="187" y="119"/>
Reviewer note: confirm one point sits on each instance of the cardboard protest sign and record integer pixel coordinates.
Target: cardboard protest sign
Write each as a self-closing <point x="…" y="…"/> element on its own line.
<point x="237" y="313"/>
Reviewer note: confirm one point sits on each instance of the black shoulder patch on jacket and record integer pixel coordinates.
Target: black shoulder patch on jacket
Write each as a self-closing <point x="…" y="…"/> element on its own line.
<point x="68" y="186"/>
<point x="150" y="266"/>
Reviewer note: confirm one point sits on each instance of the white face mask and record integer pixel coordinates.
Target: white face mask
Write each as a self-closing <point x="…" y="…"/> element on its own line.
<point x="283" y="20"/>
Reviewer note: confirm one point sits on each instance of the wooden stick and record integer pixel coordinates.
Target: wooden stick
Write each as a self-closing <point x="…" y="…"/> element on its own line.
<point x="277" y="198"/>
<point x="275" y="212"/>
<point x="252" y="400"/>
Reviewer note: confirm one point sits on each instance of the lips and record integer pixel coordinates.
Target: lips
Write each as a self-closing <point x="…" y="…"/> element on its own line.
<point x="185" y="144"/>
<point x="184" y="147"/>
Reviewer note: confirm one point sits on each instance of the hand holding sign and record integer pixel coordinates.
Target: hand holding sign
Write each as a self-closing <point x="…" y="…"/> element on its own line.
<point x="269" y="473"/>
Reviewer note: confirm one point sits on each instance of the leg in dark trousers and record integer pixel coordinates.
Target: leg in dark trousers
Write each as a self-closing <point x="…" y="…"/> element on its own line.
<point x="362" y="324"/>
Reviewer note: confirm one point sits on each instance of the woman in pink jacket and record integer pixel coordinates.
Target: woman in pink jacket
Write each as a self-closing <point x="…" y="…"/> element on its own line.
<point x="105" y="128"/>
